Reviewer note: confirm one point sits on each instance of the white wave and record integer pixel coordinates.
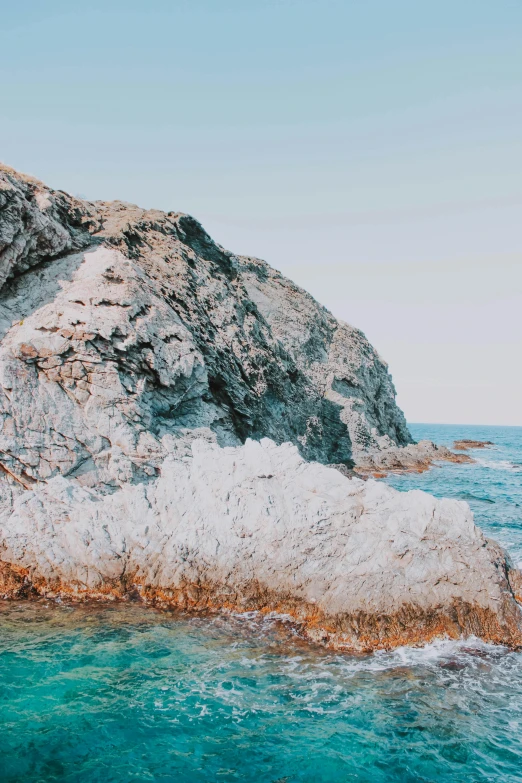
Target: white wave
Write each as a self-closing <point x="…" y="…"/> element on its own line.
<point x="316" y="669"/>
<point x="440" y="649"/>
<point x="501" y="464"/>
<point x="432" y="654"/>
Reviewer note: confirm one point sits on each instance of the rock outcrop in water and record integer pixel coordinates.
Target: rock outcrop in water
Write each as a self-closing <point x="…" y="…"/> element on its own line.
<point x="466" y="444"/>
<point x="147" y="376"/>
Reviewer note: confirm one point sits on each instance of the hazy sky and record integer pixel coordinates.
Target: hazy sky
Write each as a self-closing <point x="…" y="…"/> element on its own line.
<point x="369" y="149"/>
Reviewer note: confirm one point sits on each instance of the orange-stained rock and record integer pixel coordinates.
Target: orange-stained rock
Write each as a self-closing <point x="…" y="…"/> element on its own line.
<point x="464" y="445"/>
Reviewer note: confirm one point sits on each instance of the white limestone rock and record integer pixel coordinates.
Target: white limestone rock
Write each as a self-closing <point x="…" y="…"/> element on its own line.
<point x="358" y="563"/>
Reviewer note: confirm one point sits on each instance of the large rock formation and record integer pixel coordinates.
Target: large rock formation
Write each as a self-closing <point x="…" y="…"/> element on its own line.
<point x="256" y="527"/>
<point x="137" y="359"/>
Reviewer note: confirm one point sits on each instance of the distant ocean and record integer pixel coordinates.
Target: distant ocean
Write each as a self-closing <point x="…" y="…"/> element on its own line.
<point x="114" y="694"/>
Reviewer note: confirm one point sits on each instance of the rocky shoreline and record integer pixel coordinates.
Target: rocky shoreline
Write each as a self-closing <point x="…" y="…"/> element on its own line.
<point x="175" y="425"/>
<point x="414" y="458"/>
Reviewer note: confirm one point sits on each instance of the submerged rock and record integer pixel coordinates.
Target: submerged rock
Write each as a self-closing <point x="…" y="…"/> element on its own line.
<point x="152" y="386"/>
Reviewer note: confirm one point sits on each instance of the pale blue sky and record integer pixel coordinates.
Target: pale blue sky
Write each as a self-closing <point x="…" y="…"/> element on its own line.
<point x="370" y="149"/>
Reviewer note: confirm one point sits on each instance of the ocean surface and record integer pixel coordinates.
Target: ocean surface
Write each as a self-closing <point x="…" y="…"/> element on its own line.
<point x="123" y="693"/>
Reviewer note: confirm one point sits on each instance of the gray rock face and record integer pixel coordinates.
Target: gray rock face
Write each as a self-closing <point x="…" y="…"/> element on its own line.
<point x="337" y="359"/>
<point x="151" y="386"/>
<point x="176" y="332"/>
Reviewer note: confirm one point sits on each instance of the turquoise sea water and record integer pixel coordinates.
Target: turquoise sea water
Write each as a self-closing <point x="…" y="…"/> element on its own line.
<point x="123" y="693"/>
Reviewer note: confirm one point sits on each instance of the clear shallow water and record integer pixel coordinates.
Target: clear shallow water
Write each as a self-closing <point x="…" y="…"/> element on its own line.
<point x="122" y="693"/>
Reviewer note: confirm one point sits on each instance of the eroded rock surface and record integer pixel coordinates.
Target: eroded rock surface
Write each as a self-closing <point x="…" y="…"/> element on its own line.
<point x="336" y="358"/>
<point x="137" y="360"/>
<point x="360" y="564"/>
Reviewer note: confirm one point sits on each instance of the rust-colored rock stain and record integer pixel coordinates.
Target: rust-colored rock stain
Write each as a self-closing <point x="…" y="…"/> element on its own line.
<point x="358" y="632"/>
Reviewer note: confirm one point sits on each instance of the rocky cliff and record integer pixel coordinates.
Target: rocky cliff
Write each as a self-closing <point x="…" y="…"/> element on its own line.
<point x="147" y="380"/>
<point x="139" y="314"/>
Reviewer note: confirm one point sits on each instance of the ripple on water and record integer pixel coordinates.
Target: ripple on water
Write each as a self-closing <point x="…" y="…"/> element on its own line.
<point x="124" y="693"/>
